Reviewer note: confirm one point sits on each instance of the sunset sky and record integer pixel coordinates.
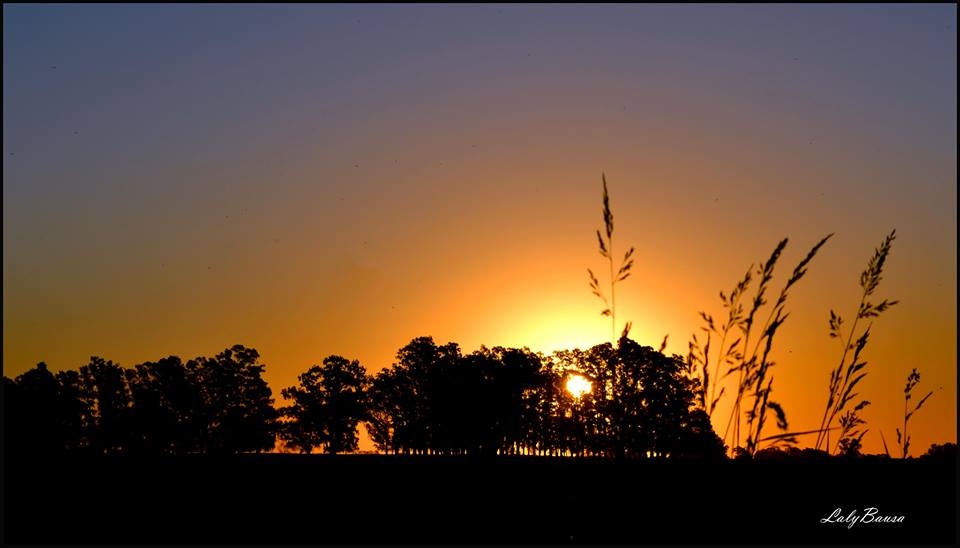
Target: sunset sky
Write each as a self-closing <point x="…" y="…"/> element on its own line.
<point x="311" y="180"/>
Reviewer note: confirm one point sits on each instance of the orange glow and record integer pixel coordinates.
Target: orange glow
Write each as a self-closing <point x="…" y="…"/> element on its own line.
<point x="458" y="198"/>
<point x="578" y="385"/>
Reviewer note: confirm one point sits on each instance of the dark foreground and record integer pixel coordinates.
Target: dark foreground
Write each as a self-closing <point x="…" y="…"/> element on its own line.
<point x="314" y="499"/>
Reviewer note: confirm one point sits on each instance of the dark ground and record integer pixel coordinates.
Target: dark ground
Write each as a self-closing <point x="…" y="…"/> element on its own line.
<point x="314" y="499"/>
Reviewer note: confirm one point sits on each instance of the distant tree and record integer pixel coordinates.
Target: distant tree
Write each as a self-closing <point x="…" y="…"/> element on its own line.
<point x="326" y="407"/>
<point x="13" y="429"/>
<point x="76" y="413"/>
<point x="642" y="403"/>
<point x="515" y="377"/>
<point x="166" y="404"/>
<point x="658" y="411"/>
<point x="422" y="371"/>
<point x="34" y="421"/>
<point x="104" y="391"/>
<point x="218" y="404"/>
<point x="774" y="453"/>
<point x="401" y="400"/>
<point x="581" y="421"/>
<point x="698" y="439"/>
<point x="236" y="410"/>
<point x="464" y="404"/>
<point x="787" y="452"/>
<point x="435" y="400"/>
<point x="542" y="419"/>
<point x="384" y="411"/>
<point x="944" y="451"/>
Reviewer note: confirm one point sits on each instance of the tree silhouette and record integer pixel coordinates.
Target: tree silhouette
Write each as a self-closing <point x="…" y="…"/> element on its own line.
<point x="433" y="400"/>
<point x="436" y="400"/>
<point x="406" y="407"/>
<point x="515" y="377"/>
<point x="650" y="406"/>
<point x="547" y="433"/>
<point x="463" y="407"/>
<point x="327" y="405"/>
<point x="582" y="428"/>
<point x="946" y="452"/>
<point x="104" y="390"/>
<point x="41" y="423"/>
<point x="236" y="412"/>
<point x="424" y="372"/>
<point x="166" y="406"/>
<point x="75" y="413"/>
<point x="668" y="416"/>
<point x="385" y="411"/>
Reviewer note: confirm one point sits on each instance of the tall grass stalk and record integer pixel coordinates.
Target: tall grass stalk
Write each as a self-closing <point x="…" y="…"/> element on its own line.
<point x="622" y="273"/>
<point x="903" y="439"/>
<point x="726" y="355"/>
<point x="845" y="377"/>
<point x="754" y="383"/>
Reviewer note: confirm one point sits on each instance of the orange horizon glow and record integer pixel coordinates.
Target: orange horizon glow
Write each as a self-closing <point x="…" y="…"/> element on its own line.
<point x="340" y="182"/>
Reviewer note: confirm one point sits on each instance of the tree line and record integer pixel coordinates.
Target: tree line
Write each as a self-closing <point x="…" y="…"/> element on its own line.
<point x="434" y="399"/>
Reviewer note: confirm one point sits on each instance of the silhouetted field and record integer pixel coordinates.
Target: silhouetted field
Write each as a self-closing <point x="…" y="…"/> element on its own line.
<point x="317" y="499"/>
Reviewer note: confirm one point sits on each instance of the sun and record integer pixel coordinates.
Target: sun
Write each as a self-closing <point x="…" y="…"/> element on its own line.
<point x="578" y="385"/>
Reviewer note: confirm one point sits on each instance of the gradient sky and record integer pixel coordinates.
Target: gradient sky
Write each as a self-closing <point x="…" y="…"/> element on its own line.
<point x="320" y="179"/>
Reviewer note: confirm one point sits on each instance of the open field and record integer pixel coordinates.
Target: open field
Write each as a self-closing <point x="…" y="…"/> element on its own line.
<point x="315" y="499"/>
